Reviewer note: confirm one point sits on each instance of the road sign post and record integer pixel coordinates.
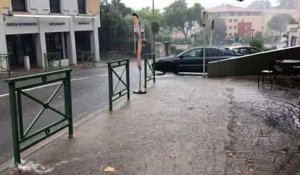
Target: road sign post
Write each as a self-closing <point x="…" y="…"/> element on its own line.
<point x="204" y="19"/>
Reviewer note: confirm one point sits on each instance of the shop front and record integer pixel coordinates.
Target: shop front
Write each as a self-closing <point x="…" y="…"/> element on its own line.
<point x="21" y="47"/>
<point x="83" y="43"/>
<point x="33" y="37"/>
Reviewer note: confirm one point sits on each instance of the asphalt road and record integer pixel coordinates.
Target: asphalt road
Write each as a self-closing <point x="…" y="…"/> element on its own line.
<point x="89" y="93"/>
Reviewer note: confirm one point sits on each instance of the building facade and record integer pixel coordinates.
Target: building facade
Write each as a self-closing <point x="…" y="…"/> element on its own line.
<point x="236" y="18"/>
<point x="34" y="28"/>
<point x="245" y="29"/>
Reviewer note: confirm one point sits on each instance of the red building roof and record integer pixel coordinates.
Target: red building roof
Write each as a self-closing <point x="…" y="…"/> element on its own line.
<point x="230" y="8"/>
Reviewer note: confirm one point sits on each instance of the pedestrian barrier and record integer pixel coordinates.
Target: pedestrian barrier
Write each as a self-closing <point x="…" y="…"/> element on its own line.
<point x="88" y="59"/>
<point x="114" y="93"/>
<point x="18" y="87"/>
<point x="149" y="60"/>
<point x="4" y="64"/>
<point x="52" y="61"/>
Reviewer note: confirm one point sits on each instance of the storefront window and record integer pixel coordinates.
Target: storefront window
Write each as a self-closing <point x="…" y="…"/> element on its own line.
<point x="18" y="5"/>
<point x="55" y="6"/>
<point x="81" y="6"/>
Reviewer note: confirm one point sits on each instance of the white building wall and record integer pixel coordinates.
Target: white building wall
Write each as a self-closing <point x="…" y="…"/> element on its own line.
<point x="94" y="41"/>
<point x="68" y="7"/>
<point x="39" y="26"/>
<point x="3" y="48"/>
<point x="38" y="6"/>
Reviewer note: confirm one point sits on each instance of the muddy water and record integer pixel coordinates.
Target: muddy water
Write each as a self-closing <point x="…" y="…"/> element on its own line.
<point x="264" y="129"/>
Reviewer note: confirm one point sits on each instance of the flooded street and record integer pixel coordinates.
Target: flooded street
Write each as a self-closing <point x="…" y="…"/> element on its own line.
<point x="264" y="130"/>
<point x="185" y="125"/>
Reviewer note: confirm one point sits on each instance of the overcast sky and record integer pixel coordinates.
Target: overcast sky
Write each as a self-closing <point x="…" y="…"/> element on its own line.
<point x="138" y="4"/>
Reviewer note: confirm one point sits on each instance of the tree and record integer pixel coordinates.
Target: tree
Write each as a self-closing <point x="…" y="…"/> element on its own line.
<point x="259" y="35"/>
<point x="279" y="22"/>
<point x="146" y="14"/>
<point x="179" y="16"/>
<point x="287" y="4"/>
<point x="258" y="43"/>
<point x="194" y="13"/>
<point x="116" y="30"/>
<point x="175" y="16"/>
<point x="260" y="5"/>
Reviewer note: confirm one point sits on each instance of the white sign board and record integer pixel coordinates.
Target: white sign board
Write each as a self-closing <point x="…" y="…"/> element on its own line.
<point x="142" y="28"/>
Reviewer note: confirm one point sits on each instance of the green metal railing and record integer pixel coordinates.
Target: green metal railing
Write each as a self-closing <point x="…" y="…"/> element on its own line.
<point x="52" y="61"/>
<point x="149" y="60"/>
<point x="113" y="95"/>
<point x="4" y="64"/>
<point x="18" y="87"/>
<point x="88" y="59"/>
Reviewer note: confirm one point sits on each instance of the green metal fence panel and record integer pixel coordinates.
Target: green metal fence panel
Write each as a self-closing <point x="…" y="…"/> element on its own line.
<point x="88" y="59"/>
<point x="149" y="75"/>
<point x="52" y="61"/>
<point x="115" y="94"/>
<point x="4" y="64"/>
<point x="24" y="138"/>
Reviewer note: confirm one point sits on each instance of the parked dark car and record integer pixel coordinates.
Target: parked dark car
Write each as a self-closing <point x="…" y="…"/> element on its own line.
<point x="192" y="60"/>
<point x="244" y="50"/>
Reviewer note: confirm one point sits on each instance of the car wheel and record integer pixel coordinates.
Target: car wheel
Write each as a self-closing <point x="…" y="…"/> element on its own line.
<point x="169" y="67"/>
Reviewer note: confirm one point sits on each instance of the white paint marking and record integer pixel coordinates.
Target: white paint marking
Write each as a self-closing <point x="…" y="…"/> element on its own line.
<point x="3" y="95"/>
<point x="78" y="79"/>
<point x="53" y="84"/>
<point x="104" y="75"/>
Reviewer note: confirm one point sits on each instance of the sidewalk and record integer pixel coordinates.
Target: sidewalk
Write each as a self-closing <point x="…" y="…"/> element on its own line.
<point x="183" y="125"/>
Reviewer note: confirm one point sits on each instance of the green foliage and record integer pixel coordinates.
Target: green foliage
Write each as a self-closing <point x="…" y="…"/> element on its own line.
<point x="146" y="14"/>
<point x="155" y="27"/>
<point x="179" y="16"/>
<point x="260" y="5"/>
<point x="175" y="15"/>
<point x="259" y="35"/>
<point x="280" y="22"/>
<point x="116" y="29"/>
<point x="293" y="21"/>
<point x="258" y="43"/>
<point x="194" y="13"/>
<point x="287" y="4"/>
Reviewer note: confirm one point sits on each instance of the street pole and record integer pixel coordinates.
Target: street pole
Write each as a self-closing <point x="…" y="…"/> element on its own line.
<point x="204" y="17"/>
<point x="153" y="7"/>
<point x="210" y="37"/>
<point x="153" y="34"/>
<point x="204" y="55"/>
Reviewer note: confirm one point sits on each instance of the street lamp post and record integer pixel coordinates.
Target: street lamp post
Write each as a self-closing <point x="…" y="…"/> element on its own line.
<point x="252" y="34"/>
<point x="153" y="34"/>
<point x="204" y="18"/>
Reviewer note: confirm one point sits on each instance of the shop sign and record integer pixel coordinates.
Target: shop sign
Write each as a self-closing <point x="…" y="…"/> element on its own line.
<point x="83" y="23"/>
<point x="57" y="23"/>
<point x="13" y="24"/>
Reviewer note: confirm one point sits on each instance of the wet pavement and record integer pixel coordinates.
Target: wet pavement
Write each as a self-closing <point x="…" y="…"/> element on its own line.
<point x="184" y="125"/>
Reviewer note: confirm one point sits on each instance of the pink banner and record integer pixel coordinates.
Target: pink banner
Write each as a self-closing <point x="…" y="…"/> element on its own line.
<point x="136" y="23"/>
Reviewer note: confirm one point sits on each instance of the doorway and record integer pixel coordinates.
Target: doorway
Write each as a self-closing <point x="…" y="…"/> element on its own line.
<point x="19" y="46"/>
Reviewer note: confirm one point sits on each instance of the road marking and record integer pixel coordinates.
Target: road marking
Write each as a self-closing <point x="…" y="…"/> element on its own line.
<point x="53" y="84"/>
<point x="4" y="95"/>
<point x="78" y="79"/>
<point x="103" y="75"/>
<point x="40" y="87"/>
